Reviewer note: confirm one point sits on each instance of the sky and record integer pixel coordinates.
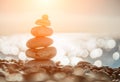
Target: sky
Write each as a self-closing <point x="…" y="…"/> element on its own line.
<point x="86" y="16"/>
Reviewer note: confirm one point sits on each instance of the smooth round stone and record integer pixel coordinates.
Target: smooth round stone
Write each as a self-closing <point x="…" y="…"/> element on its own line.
<point x="39" y="63"/>
<point x="39" y="77"/>
<point x="41" y="31"/>
<point x="42" y="54"/>
<point x="45" y="16"/>
<point x="39" y="42"/>
<point x="43" y="22"/>
<point x="59" y="75"/>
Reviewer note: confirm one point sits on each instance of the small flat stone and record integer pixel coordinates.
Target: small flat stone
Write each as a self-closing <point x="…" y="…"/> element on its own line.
<point x="41" y="31"/>
<point x="42" y="54"/>
<point x="39" y="63"/>
<point x="45" y="16"/>
<point x="43" y="22"/>
<point x="39" y="42"/>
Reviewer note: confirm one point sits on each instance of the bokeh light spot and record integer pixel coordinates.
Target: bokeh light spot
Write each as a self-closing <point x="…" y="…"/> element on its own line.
<point x="98" y="63"/>
<point x="96" y="53"/>
<point x="116" y="55"/>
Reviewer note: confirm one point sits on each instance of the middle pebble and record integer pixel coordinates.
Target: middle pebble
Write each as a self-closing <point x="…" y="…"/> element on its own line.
<point x="41" y="31"/>
<point x="39" y="42"/>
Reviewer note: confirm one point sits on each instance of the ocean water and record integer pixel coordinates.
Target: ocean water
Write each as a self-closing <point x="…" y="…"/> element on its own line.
<point x="98" y="49"/>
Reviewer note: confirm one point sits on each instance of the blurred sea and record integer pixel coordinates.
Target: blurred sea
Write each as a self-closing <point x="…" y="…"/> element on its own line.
<point x="100" y="50"/>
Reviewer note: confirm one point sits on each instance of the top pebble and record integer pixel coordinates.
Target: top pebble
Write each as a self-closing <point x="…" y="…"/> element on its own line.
<point x="44" y="21"/>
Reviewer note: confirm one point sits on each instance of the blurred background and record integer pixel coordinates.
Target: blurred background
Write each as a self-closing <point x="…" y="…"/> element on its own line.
<point x="94" y="16"/>
<point x="85" y="29"/>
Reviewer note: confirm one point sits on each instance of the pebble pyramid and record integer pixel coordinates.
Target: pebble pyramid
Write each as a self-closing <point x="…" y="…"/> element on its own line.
<point x="40" y="46"/>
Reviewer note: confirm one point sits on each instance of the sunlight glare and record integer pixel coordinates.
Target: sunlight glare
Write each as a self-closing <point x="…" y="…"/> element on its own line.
<point x="44" y="3"/>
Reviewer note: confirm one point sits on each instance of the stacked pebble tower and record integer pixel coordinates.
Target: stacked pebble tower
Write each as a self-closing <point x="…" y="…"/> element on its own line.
<point x="39" y="46"/>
